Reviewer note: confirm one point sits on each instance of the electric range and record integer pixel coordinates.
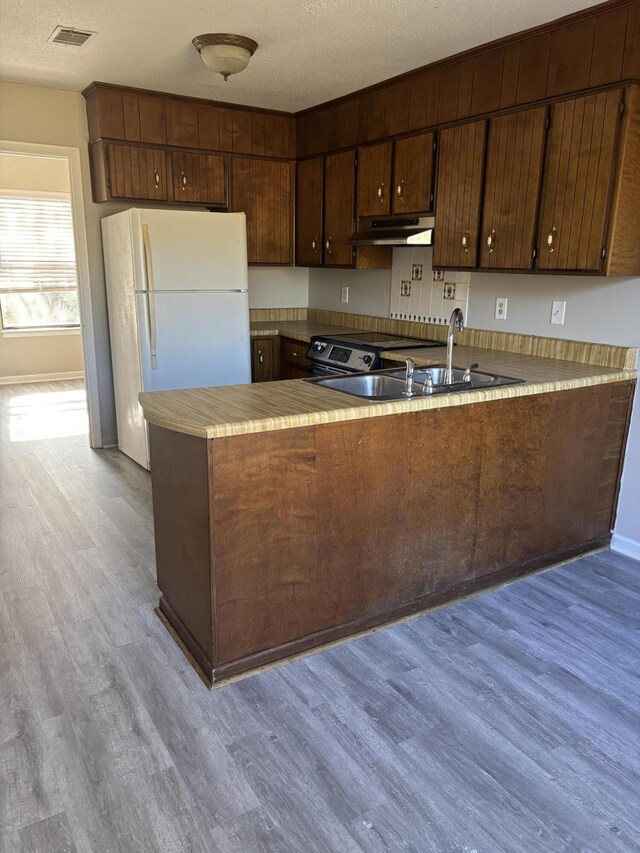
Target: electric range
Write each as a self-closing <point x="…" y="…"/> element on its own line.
<point x="356" y="352"/>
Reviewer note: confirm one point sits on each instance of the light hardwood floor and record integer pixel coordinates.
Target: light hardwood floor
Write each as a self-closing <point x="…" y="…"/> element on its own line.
<point x="508" y="722"/>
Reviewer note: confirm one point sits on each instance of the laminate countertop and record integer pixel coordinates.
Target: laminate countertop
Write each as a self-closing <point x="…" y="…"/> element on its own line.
<point x="299" y="330"/>
<point x="266" y="406"/>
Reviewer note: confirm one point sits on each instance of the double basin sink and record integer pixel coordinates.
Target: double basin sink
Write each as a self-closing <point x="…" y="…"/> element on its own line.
<point x="387" y="385"/>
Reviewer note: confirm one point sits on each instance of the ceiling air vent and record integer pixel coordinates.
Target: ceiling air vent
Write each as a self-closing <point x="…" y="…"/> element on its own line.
<point x="67" y="35"/>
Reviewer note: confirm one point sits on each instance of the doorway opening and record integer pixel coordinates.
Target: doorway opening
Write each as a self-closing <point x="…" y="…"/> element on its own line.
<point x="46" y="329"/>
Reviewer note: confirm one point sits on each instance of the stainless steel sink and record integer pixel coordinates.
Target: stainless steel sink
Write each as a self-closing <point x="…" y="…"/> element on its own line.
<point x="477" y="379"/>
<point x="373" y="386"/>
<point x="390" y="384"/>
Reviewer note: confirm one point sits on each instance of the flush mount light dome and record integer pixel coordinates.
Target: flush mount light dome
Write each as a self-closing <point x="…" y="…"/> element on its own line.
<point x="225" y="53"/>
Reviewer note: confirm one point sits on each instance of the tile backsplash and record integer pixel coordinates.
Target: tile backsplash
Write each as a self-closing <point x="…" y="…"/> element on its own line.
<point x="422" y="295"/>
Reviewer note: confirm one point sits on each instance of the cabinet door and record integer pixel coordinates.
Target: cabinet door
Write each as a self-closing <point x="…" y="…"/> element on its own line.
<point x="374" y="179"/>
<point x="578" y="175"/>
<point x="263" y="359"/>
<point x="182" y="122"/>
<point x="137" y="173"/>
<point x="309" y="180"/>
<point x="413" y="174"/>
<point x="199" y="178"/>
<point x="460" y="159"/>
<point x="263" y="190"/>
<point x="339" y="208"/>
<point x="515" y="144"/>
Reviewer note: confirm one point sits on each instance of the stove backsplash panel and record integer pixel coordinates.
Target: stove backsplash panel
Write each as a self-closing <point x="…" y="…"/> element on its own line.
<point x="422" y="295"/>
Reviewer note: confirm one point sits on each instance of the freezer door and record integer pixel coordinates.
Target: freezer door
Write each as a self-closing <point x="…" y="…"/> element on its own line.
<point x="190" y="250"/>
<point x="199" y="339"/>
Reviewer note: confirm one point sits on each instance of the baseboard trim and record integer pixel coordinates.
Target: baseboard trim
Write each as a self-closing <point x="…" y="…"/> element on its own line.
<point x="626" y="546"/>
<point x="40" y="377"/>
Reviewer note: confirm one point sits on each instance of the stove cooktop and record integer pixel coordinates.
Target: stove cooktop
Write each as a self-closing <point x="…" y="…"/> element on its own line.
<point x="381" y="340"/>
<point x="357" y="351"/>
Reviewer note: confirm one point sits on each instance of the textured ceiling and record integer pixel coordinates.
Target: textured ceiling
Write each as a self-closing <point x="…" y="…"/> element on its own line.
<point x="309" y="51"/>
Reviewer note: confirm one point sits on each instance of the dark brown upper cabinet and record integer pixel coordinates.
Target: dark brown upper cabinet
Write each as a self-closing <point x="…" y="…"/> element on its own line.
<point x="199" y="178"/>
<point x="374" y="179"/>
<point x="578" y="177"/>
<point x="182" y="122"/>
<point x="413" y="174"/>
<point x="339" y="208"/>
<point x="515" y="146"/>
<point x="309" y="211"/>
<point x="459" y="187"/>
<point x="396" y="177"/>
<point x="263" y="189"/>
<point x="128" y="172"/>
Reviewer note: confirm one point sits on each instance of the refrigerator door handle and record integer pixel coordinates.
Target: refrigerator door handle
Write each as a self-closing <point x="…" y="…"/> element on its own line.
<point x="151" y="300"/>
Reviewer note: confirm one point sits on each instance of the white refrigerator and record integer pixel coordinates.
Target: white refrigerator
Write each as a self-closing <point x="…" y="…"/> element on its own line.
<point x="177" y="294"/>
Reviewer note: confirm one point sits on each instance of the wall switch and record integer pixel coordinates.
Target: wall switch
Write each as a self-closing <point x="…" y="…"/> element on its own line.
<point x="344" y="293"/>
<point x="557" y="312"/>
<point x="501" y="307"/>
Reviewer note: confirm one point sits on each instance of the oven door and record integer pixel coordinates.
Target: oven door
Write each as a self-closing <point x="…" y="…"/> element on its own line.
<point x="324" y="370"/>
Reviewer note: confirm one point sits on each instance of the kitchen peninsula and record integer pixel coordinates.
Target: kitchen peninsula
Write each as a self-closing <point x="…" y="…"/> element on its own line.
<point x="289" y="516"/>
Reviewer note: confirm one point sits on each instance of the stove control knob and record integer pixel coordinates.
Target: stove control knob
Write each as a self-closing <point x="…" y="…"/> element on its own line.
<point x="367" y="359"/>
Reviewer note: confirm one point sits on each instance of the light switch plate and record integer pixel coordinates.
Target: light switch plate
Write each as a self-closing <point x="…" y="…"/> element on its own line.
<point x="344" y="293"/>
<point x="557" y="312"/>
<point x="501" y="308"/>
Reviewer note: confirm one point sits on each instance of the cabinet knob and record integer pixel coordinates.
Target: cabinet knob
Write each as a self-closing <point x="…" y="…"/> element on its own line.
<point x="491" y="241"/>
<point x="156" y="177"/>
<point x="381" y="191"/>
<point x="400" y="188"/>
<point x="260" y="357"/>
<point x="550" y="237"/>
<point x="314" y="245"/>
<point x="465" y="242"/>
<point x="327" y="245"/>
<point x="184" y="181"/>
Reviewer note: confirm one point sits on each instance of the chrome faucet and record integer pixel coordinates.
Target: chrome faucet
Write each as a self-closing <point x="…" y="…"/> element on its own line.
<point x="456" y="322"/>
<point x="408" y="382"/>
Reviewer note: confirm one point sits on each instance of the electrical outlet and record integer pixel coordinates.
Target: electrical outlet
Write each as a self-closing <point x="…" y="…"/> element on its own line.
<point x="501" y="308"/>
<point x="416" y="272"/>
<point x="405" y="287"/>
<point x="344" y="293"/>
<point x="557" y="312"/>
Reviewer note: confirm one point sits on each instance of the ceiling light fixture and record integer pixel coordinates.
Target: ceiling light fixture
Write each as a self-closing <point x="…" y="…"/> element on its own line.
<point x="225" y="53"/>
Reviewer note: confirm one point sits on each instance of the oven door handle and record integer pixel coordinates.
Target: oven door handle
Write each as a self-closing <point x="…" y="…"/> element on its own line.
<point x="321" y="370"/>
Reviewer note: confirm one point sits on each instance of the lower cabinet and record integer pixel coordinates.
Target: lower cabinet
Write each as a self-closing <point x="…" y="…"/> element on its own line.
<point x="293" y="359"/>
<point x="264" y="359"/>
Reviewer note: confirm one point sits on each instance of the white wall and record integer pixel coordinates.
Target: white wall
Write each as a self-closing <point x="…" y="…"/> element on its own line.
<point x="278" y="287"/>
<point x="369" y="291"/>
<point x="604" y="310"/>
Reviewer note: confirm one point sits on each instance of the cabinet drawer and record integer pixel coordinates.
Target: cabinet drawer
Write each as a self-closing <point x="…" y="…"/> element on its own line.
<point x="294" y="352"/>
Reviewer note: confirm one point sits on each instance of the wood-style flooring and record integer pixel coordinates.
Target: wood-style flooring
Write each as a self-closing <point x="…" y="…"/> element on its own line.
<point x="509" y="722"/>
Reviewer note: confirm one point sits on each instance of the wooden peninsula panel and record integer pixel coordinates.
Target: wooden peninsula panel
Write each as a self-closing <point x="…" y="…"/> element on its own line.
<point x="290" y="539"/>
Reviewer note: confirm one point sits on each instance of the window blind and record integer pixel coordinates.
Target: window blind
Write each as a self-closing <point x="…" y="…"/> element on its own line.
<point x="37" y="250"/>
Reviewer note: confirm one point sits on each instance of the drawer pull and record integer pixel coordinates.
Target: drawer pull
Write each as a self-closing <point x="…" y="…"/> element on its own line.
<point x="184" y="181"/>
<point x="465" y="242"/>
<point x="550" y="237"/>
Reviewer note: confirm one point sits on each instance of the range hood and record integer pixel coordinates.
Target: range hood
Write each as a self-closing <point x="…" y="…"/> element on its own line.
<point x="408" y="231"/>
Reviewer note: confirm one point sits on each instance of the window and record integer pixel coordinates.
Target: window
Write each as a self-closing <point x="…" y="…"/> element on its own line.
<point x="38" y="275"/>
